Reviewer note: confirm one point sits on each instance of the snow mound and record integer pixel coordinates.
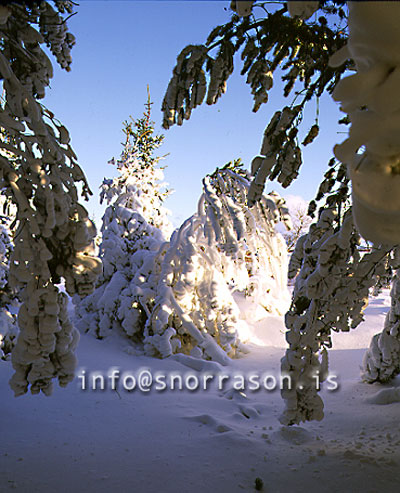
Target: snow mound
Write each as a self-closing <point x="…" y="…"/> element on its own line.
<point x="385" y="396"/>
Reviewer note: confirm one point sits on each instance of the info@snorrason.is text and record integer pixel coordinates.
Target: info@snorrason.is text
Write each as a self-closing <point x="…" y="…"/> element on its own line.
<point x="145" y="380"/>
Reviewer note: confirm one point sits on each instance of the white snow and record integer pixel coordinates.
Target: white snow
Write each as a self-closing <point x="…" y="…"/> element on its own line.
<point x="217" y="441"/>
<point x="371" y="99"/>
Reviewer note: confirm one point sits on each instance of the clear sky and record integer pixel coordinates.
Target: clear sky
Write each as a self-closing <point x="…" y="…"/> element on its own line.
<point x="124" y="45"/>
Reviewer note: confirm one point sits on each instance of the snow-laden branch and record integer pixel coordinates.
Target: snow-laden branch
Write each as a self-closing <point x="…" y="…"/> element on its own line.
<point x="54" y="236"/>
<point x="371" y="99"/>
<point x="8" y="326"/>
<point x="331" y="292"/>
<point x="334" y="277"/>
<point x="224" y="247"/>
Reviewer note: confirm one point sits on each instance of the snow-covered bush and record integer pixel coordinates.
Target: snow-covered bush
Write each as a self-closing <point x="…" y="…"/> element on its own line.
<point x="53" y="236"/>
<point x="135" y="225"/>
<point x="224" y="247"/>
<point x="177" y="295"/>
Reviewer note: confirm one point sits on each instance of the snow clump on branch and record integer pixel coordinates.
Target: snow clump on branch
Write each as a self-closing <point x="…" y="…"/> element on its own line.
<point x="8" y="326"/>
<point x="54" y="236"/>
<point x="371" y="99"/>
<point x="224" y="247"/>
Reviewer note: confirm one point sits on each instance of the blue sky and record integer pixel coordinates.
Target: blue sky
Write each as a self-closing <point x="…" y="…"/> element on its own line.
<point x="124" y="45"/>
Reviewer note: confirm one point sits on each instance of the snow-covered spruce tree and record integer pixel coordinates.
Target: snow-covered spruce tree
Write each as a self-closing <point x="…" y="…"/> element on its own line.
<point x="135" y="225"/>
<point x="303" y="47"/>
<point x="329" y="266"/>
<point x="224" y="247"/>
<point x="370" y="98"/>
<point x="53" y="237"/>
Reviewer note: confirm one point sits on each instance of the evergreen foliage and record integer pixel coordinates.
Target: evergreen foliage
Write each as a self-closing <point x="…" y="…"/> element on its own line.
<point x="39" y="173"/>
<point x="310" y="43"/>
<point x="135" y="225"/>
<point x="223" y="248"/>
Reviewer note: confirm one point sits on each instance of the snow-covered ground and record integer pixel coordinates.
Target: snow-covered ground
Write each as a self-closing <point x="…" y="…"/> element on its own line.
<point x="215" y="441"/>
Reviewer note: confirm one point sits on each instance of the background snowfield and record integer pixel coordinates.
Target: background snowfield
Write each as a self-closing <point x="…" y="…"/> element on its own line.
<point x="217" y="441"/>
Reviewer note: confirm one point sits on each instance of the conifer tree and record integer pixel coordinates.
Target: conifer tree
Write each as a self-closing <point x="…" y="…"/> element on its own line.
<point x="314" y="48"/>
<point x="224" y="247"/>
<point x="53" y="236"/>
<point x="135" y="225"/>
